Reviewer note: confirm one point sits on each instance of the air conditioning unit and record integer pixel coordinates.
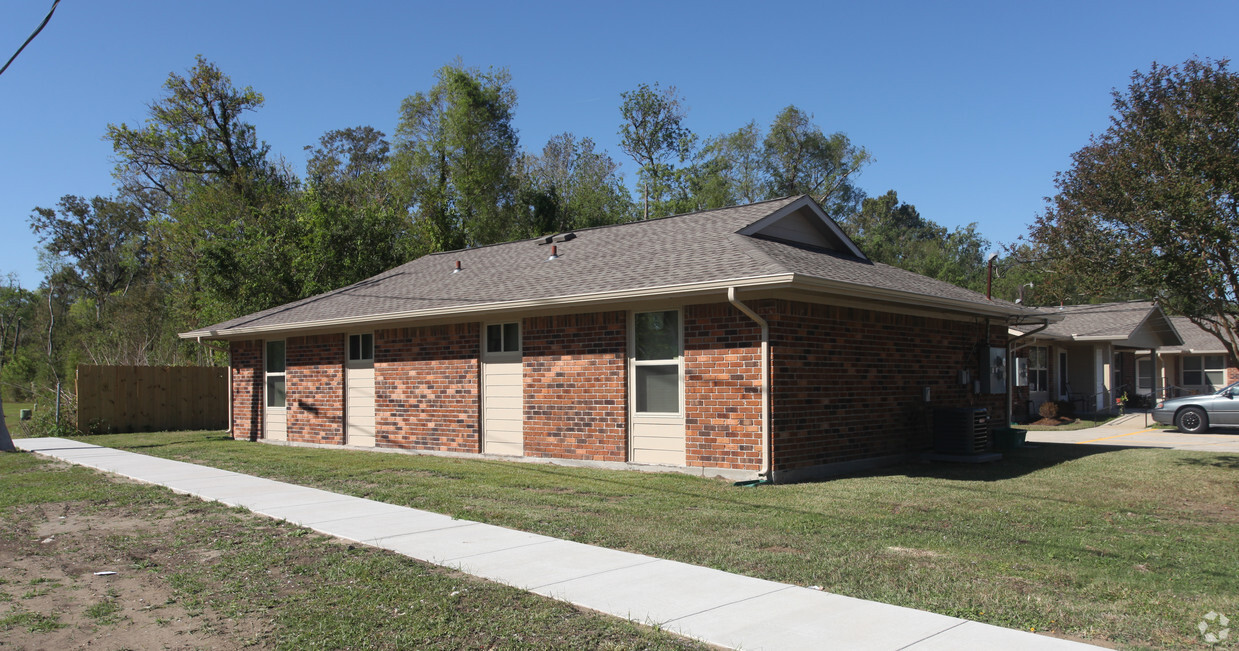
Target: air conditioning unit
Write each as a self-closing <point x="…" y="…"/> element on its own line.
<point x="961" y="431"/>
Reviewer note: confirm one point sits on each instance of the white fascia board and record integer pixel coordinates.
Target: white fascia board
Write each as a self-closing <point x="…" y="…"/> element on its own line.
<point x="908" y="298"/>
<point x="669" y="291"/>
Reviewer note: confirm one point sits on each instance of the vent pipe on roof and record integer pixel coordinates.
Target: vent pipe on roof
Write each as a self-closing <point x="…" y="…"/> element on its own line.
<point x="554" y="253"/>
<point x="457" y="269"/>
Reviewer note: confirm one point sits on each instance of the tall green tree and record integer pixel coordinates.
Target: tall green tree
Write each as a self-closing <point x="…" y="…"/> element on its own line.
<point x="801" y="159"/>
<point x="221" y="221"/>
<point x="737" y="160"/>
<point x="892" y="232"/>
<point x="352" y="224"/>
<point x="1152" y="204"/>
<point x="571" y="185"/>
<point x="653" y="133"/>
<point x="102" y="239"/>
<point x="455" y="157"/>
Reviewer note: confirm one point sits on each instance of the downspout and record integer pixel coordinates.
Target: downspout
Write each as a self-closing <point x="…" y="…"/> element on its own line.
<point x="765" y="380"/>
<point x="1011" y="348"/>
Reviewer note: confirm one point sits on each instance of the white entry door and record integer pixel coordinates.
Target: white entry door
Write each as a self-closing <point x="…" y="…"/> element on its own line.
<point x="359" y="391"/>
<point x="275" y="413"/>
<point x="503" y="390"/>
<point x="656" y="389"/>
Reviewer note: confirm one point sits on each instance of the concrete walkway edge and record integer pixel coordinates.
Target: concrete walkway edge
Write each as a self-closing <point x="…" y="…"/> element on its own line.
<point x="713" y="606"/>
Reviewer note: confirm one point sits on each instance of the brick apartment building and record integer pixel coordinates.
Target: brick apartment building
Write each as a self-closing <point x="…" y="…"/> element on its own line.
<point x="742" y="342"/>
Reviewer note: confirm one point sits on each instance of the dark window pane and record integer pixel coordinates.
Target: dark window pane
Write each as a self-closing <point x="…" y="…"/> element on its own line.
<point x="494" y="338"/>
<point x="354" y="347"/>
<point x="658" y="389"/>
<point x="657" y="335"/>
<point x="275" y="391"/>
<point x="367" y="346"/>
<point x="511" y="337"/>
<point x="275" y="357"/>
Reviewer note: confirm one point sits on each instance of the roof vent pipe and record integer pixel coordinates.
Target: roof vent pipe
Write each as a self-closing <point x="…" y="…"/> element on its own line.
<point x="554" y="253"/>
<point x="457" y="269"/>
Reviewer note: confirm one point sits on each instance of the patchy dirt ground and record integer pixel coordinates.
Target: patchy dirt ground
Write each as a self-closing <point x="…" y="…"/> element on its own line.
<point x="100" y="580"/>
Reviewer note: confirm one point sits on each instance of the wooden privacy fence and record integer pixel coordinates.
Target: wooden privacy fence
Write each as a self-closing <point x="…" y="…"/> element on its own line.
<point x="151" y="398"/>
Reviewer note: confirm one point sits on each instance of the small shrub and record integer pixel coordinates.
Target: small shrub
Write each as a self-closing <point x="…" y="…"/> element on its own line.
<point x="1048" y="409"/>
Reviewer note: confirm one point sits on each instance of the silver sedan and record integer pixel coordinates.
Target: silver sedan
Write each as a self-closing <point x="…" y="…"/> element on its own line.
<point x="1196" y="414"/>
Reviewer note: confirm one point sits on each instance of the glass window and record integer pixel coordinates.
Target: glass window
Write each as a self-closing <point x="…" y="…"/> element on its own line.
<point x="1038" y="368"/>
<point x="658" y="335"/>
<point x="361" y="347"/>
<point x="1215" y="371"/>
<point x="658" y="388"/>
<point x="656" y="362"/>
<point x="275" y="374"/>
<point x="275" y="357"/>
<point x="275" y="390"/>
<point x="503" y="337"/>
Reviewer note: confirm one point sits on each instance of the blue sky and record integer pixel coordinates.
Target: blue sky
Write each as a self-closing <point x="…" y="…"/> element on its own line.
<point x="967" y="108"/>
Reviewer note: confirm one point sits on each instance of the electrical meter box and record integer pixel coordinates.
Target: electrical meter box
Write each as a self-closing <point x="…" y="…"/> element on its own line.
<point x="993" y="372"/>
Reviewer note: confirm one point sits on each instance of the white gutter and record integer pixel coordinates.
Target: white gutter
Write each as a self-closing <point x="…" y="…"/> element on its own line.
<point x="765" y="378"/>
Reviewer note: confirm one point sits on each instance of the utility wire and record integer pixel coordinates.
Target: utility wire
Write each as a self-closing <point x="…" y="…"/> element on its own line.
<point x="36" y="33"/>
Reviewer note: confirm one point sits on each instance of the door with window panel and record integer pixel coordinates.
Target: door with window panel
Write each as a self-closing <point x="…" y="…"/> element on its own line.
<point x="503" y="390"/>
<point x="656" y="388"/>
<point x="359" y="390"/>
<point x="275" y="421"/>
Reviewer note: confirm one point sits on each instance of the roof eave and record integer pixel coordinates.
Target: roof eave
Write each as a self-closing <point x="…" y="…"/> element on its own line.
<point x="772" y="281"/>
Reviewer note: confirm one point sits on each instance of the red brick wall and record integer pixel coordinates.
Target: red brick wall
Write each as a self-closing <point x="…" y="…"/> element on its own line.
<point x="315" y="383"/>
<point x="575" y="375"/>
<point x="426" y="387"/>
<point x="722" y="387"/>
<point x="245" y="383"/>
<point x="848" y="381"/>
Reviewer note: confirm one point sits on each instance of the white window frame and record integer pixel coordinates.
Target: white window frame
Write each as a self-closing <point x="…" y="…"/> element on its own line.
<point x="1204" y="369"/>
<point x="268" y="374"/>
<point x="635" y="363"/>
<point x="1039" y="369"/>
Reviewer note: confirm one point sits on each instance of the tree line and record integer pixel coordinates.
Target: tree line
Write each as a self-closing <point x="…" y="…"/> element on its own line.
<point x="207" y="223"/>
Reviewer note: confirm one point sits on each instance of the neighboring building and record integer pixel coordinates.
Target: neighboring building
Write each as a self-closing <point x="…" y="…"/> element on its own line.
<point x="1094" y="355"/>
<point x="1200" y="365"/>
<point x="1098" y="353"/>
<point x="746" y="341"/>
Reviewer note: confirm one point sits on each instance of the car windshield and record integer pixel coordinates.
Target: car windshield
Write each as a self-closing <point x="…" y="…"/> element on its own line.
<point x="1233" y="386"/>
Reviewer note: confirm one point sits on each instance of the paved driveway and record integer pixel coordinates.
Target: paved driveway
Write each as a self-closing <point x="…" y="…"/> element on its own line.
<point x="1131" y="431"/>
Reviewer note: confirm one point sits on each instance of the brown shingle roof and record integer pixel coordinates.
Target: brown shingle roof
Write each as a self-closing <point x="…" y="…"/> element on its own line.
<point x="642" y="257"/>
<point x="1109" y="321"/>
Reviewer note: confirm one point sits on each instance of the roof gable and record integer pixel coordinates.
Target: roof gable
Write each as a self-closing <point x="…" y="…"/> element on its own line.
<point x="1139" y="323"/>
<point x="802" y="222"/>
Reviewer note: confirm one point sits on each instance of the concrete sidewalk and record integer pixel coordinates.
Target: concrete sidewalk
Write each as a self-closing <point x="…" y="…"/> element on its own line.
<point x="1132" y="431"/>
<point x="724" y="609"/>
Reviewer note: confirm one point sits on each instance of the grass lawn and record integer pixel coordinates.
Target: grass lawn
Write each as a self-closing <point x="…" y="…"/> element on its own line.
<point x="11" y="414"/>
<point x="193" y="574"/>
<point x="1129" y="547"/>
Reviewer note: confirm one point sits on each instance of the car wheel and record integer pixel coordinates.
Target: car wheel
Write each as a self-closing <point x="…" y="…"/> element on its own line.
<point x="1192" y="420"/>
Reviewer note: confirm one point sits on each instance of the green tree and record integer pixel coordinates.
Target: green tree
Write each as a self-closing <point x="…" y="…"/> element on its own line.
<point x="221" y="219"/>
<point x="652" y="132"/>
<point x="194" y="134"/>
<point x="102" y="239"/>
<point x="456" y="151"/>
<point x="801" y="159"/>
<point x="895" y="233"/>
<point x="737" y="160"/>
<point x="1151" y="205"/>
<point x="569" y="186"/>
